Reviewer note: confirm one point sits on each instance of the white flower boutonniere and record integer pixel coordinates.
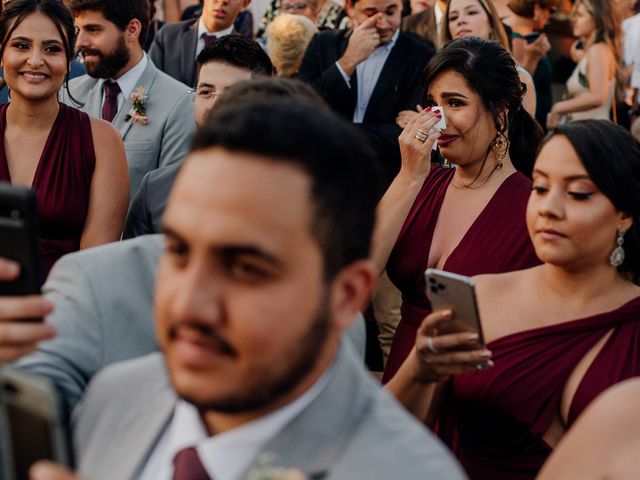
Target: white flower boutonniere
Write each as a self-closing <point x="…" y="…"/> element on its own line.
<point x="267" y="469"/>
<point x="138" y="112"/>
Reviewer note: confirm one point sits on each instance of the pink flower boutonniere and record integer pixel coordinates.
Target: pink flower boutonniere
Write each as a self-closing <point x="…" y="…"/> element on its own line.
<point x="138" y="112"/>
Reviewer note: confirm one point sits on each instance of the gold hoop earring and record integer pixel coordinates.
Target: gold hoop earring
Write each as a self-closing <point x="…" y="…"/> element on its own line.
<point x="500" y="146"/>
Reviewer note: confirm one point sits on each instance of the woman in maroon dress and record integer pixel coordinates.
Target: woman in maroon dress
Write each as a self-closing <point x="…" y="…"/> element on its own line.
<point x="468" y="220"/>
<point x="558" y="334"/>
<point x="75" y="164"/>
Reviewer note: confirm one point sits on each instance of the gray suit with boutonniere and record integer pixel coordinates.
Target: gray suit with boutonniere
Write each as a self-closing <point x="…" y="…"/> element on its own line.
<point x="352" y="430"/>
<point x="164" y="139"/>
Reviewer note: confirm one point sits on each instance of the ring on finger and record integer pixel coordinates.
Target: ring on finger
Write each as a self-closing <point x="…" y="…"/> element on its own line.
<point x="421" y="135"/>
<point x="430" y="345"/>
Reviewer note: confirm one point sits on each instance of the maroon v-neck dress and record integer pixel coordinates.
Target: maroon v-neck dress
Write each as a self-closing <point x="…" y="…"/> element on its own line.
<point x="495" y="420"/>
<point x="496" y="242"/>
<point x="62" y="182"/>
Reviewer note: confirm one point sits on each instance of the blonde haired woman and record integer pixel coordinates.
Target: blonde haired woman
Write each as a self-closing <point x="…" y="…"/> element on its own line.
<point x="287" y="39"/>
<point x="592" y="85"/>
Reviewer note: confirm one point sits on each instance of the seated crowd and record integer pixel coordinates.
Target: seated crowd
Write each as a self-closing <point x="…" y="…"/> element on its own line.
<point x="218" y="216"/>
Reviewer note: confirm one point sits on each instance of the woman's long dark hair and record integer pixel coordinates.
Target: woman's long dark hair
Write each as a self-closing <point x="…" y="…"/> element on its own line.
<point x="611" y="157"/>
<point x="490" y="71"/>
<point x="17" y="10"/>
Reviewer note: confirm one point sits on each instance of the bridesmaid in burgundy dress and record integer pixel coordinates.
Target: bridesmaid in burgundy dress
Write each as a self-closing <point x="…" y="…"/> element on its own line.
<point x="559" y="334"/>
<point x="75" y="164"/>
<point x="468" y="220"/>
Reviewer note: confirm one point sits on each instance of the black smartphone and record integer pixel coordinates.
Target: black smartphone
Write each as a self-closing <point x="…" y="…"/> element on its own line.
<point x="19" y="238"/>
<point x="456" y="292"/>
<point x="31" y="425"/>
<point x="531" y="37"/>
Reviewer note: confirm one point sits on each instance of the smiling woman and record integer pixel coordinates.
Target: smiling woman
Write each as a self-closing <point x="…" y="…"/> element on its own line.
<point x="73" y="163"/>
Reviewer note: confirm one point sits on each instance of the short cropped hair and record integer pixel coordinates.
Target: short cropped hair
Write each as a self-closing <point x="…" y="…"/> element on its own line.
<point x="237" y="51"/>
<point x="118" y="12"/>
<point x="346" y="180"/>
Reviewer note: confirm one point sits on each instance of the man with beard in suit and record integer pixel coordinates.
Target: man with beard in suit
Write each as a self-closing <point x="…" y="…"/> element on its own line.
<point x="177" y="45"/>
<point x="370" y="73"/>
<point x="156" y="129"/>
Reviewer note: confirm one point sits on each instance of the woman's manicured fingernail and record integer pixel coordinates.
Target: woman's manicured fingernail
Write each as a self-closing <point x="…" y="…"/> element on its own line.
<point x="472" y="337"/>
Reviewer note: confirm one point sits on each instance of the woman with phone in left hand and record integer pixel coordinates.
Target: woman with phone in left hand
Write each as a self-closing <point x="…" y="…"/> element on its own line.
<point x="75" y="164"/>
<point x="558" y="334"/>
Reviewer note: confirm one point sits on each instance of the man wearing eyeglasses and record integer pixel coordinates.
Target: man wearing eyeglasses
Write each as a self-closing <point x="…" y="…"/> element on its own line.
<point x="227" y="61"/>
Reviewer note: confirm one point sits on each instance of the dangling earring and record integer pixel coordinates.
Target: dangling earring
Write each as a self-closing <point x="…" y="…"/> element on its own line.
<point x="617" y="256"/>
<point x="500" y="146"/>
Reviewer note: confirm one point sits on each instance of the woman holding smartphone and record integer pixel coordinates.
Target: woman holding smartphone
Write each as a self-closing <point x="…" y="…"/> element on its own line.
<point x="75" y="164"/>
<point x="557" y="334"/>
<point x="468" y="219"/>
<point x="591" y="88"/>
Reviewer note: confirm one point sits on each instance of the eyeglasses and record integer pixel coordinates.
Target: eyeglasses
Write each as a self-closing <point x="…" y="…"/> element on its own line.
<point x="207" y="93"/>
<point x="298" y="6"/>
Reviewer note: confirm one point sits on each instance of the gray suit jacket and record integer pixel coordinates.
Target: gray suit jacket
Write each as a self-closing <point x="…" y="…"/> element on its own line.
<point x="352" y="430"/>
<point x="165" y="139"/>
<point x="103" y="301"/>
<point x="147" y="205"/>
<point x="174" y="50"/>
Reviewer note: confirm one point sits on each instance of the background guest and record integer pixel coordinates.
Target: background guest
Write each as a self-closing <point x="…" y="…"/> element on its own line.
<point x="560" y="333"/>
<point x="592" y="85"/>
<point x="426" y="23"/>
<point x="177" y="45"/>
<point x="75" y="164"/>
<point x="287" y="39"/>
<point x="528" y="17"/>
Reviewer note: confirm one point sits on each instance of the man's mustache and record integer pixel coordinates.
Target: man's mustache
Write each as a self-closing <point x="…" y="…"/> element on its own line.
<point x="90" y="51"/>
<point x="203" y="333"/>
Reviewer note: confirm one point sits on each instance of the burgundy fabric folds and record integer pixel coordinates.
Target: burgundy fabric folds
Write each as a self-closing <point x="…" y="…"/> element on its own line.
<point x="496" y="242"/>
<point x="495" y="419"/>
<point x="62" y="182"/>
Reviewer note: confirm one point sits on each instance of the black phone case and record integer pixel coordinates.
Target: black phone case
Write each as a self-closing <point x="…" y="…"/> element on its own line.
<point x="19" y="238"/>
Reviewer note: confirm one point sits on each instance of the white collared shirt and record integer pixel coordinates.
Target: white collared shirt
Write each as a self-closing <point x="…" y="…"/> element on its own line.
<point x="368" y="73"/>
<point x="227" y="455"/>
<point x="202" y="30"/>
<point x="128" y="81"/>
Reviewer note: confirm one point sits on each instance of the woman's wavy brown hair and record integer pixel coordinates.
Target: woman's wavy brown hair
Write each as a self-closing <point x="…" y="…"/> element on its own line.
<point x="498" y="33"/>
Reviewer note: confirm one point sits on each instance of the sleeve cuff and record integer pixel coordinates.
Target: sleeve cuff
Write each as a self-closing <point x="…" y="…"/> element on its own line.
<point x="344" y="75"/>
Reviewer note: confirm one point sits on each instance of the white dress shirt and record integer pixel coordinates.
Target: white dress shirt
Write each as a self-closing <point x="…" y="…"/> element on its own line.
<point x="202" y="30"/>
<point x="367" y="74"/>
<point x="128" y="81"/>
<point x="227" y="455"/>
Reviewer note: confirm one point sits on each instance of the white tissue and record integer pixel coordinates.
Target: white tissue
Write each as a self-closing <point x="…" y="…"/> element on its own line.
<point x="438" y="127"/>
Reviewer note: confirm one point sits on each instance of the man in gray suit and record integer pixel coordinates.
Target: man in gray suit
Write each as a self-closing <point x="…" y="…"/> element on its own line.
<point x="156" y="128"/>
<point x="177" y="45"/>
<point x="260" y="277"/>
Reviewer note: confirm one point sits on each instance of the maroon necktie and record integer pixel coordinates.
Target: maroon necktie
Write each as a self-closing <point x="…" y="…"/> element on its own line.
<point x="208" y="39"/>
<point x="187" y="466"/>
<point x="110" y="105"/>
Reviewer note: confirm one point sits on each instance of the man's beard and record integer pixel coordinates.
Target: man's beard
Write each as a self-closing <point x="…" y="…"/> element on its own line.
<point x="110" y="63"/>
<point x="266" y="387"/>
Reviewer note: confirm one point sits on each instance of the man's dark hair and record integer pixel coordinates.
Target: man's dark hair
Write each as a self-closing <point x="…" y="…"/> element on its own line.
<point x="237" y="51"/>
<point x="346" y="180"/>
<point x="268" y="88"/>
<point x="118" y="12"/>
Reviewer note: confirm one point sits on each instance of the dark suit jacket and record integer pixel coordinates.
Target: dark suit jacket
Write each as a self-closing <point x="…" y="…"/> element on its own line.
<point x="398" y="88"/>
<point x="149" y="202"/>
<point x="174" y="50"/>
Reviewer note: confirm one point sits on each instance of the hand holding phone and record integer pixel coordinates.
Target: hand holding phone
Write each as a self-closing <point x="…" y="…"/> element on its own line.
<point x="450" y="340"/>
<point x="20" y="336"/>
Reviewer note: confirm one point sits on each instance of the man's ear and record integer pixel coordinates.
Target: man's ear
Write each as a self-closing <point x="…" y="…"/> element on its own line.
<point x="348" y="6"/>
<point x="133" y="30"/>
<point x="245" y="4"/>
<point x="626" y="221"/>
<point x="351" y="291"/>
